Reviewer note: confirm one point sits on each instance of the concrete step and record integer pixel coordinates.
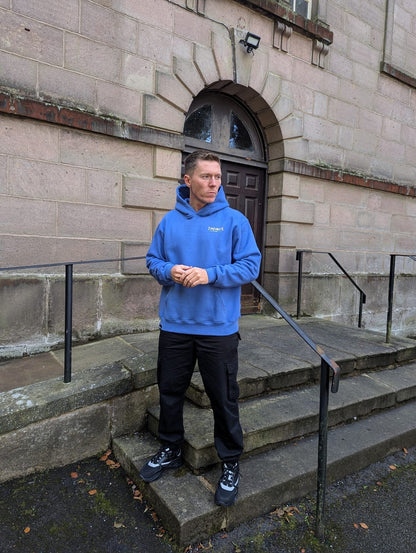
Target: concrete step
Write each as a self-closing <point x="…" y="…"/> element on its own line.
<point x="273" y="357"/>
<point x="277" y="418"/>
<point x="185" y="501"/>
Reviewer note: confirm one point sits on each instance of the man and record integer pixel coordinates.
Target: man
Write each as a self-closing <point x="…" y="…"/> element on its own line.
<point x="201" y="254"/>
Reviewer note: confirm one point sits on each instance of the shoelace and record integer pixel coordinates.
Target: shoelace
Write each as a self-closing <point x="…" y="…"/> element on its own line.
<point x="161" y="453"/>
<point x="229" y="474"/>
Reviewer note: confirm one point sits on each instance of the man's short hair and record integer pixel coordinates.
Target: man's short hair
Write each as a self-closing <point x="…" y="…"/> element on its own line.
<point x="199" y="155"/>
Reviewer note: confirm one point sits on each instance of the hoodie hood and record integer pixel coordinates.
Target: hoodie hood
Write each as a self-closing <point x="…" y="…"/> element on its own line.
<point x="184" y="207"/>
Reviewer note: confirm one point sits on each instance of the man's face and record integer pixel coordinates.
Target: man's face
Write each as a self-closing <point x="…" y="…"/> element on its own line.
<point x="203" y="183"/>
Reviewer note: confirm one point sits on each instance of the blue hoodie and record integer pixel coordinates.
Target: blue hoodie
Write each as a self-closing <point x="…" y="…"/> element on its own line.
<point x="216" y="238"/>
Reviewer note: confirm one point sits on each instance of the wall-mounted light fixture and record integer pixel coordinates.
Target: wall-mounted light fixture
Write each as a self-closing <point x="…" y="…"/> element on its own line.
<point x="251" y="42"/>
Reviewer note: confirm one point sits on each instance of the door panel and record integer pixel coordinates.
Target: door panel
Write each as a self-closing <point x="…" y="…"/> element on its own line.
<point x="244" y="189"/>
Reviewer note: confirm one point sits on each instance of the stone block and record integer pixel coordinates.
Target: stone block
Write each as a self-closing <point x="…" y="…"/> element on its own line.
<point x="66" y="87"/>
<point x="205" y="62"/>
<point x="343" y="216"/>
<point x="259" y="70"/>
<point x="23" y="312"/>
<point x="33" y="179"/>
<point x="155" y="44"/>
<point x="27" y="216"/>
<point x="339" y="64"/>
<point x="102" y="152"/>
<point x="304" y="72"/>
<point x="172" y="90"/>
<point x="92" y="58"/>
<point x="167" y="163"/>
<point x="128" y="303"/>
<point x="120" y="31"/>
<point x="318" y="129"/>
<point x="85" y="296"/>
<point x="104" y="188"/>
<point x="28" y="250"/>
<point x="160" y="114"/>
<point x="119" y="101"/>
<point x="343" y="112"/>
<point x="292" y="127"/>
<point x="90" y="221"/>
<point x="17" y="72"/>
<point x="128" y="412"/>
<point x="185" y="27"/>
<point x="320" y="106"/>
<point x="147" y="193"/>
<point x="31" y="39"/>
<point x="154" y="12"/>
<point x="222" y="48"/>
<point x="188" y="74"/>
<point x="271" y="88"/>
<point x="4" y="188"/>
<point x="134" y="267"/>
<point x="65" y="16"/>
<point x="137" y="73"/>
<point x="55" y="442"/>
<point x="30" y="139"/>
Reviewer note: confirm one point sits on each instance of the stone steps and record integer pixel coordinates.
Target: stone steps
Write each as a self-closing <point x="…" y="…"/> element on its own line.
<point x="372" y="414"/>
<point x="185" y="501"/>
<point x="277" y="418"/>
<point x="272" y="359"/>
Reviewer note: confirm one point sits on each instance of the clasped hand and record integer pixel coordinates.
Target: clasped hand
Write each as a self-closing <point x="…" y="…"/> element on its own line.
<point x="189" y="276"/>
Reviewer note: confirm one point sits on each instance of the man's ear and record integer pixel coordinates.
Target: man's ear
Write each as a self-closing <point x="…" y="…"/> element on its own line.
<point x="187" y="180"/>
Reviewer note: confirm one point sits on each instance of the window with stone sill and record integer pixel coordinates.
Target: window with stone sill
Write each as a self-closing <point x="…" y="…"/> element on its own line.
<point x="302" y="7"/>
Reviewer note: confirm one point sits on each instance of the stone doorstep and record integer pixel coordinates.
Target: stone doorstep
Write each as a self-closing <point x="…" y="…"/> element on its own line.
<point x="184" y="502"/>
<point x="273" y="358"/>
<point x="278" y="418"/>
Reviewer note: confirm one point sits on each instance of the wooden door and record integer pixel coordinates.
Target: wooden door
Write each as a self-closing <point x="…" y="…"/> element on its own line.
<point x="244" y="189"/>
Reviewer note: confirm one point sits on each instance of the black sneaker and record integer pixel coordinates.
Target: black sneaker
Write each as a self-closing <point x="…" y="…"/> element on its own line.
<point x="166" y="458"/>
<point x="227" y="488"/>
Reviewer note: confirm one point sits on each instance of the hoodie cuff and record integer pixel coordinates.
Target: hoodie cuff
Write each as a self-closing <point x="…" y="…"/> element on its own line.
<point x="212" y="275"/>
<point x="168" y="269"/>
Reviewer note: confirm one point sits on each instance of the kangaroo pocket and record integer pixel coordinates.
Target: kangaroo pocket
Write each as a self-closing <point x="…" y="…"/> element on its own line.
<point x="202" y="305"/>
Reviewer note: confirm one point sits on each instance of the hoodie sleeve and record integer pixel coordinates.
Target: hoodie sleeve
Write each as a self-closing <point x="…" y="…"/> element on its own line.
<point x="246" y="259"/>
<point x="156" y="259"/>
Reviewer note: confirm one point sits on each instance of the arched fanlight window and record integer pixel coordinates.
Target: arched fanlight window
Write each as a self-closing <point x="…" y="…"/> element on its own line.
<point x="217" y="122"/>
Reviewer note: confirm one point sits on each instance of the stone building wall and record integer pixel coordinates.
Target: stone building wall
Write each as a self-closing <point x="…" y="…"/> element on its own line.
<point x="93" y="99"/>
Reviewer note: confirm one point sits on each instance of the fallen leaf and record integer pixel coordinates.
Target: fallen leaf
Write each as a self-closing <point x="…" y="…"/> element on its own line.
<point x="356" y="525"/>
<point x="364" y="525"/>
<point x="405" y="451"/>
<point x="187" y="549"/>
<point x="155" y="517"/>
<point x="237" y="548"/>
<point x="26" y="530"/>
<point x="119" y="525"/>
<point x="92" y="492"/>
<point x="379" y="483"/>
<point x="303" y="551"/>
<point x="109" y="462"/>
<point x="392" y="467"/>
<point x="74" y="475"/>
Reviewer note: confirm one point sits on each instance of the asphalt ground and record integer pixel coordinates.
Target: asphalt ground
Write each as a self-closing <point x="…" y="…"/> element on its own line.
<point x="92" y="506"/>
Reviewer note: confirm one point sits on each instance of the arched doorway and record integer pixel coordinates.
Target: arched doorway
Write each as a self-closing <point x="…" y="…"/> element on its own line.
<point x="219" y="123"/>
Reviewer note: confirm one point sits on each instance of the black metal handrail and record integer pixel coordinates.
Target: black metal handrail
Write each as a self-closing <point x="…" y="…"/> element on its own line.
<point x="69" y="266"/>
<point x="391" y="291"/>
<point x="327" y="365"/>
<point x="299" y="257"/>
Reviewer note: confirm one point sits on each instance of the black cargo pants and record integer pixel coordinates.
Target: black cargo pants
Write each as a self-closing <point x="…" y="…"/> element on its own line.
<point x="218" y="364"/>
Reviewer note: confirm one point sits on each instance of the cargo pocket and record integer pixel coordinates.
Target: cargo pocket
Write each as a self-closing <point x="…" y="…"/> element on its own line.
<point x="233" y="388"/>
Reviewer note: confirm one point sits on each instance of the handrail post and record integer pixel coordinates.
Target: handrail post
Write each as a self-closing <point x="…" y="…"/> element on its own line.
<point x="391" y="291"/>
<point x="299" y="257"/>
<point x="68" y="322"/>
<point x="322" y="450"/>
